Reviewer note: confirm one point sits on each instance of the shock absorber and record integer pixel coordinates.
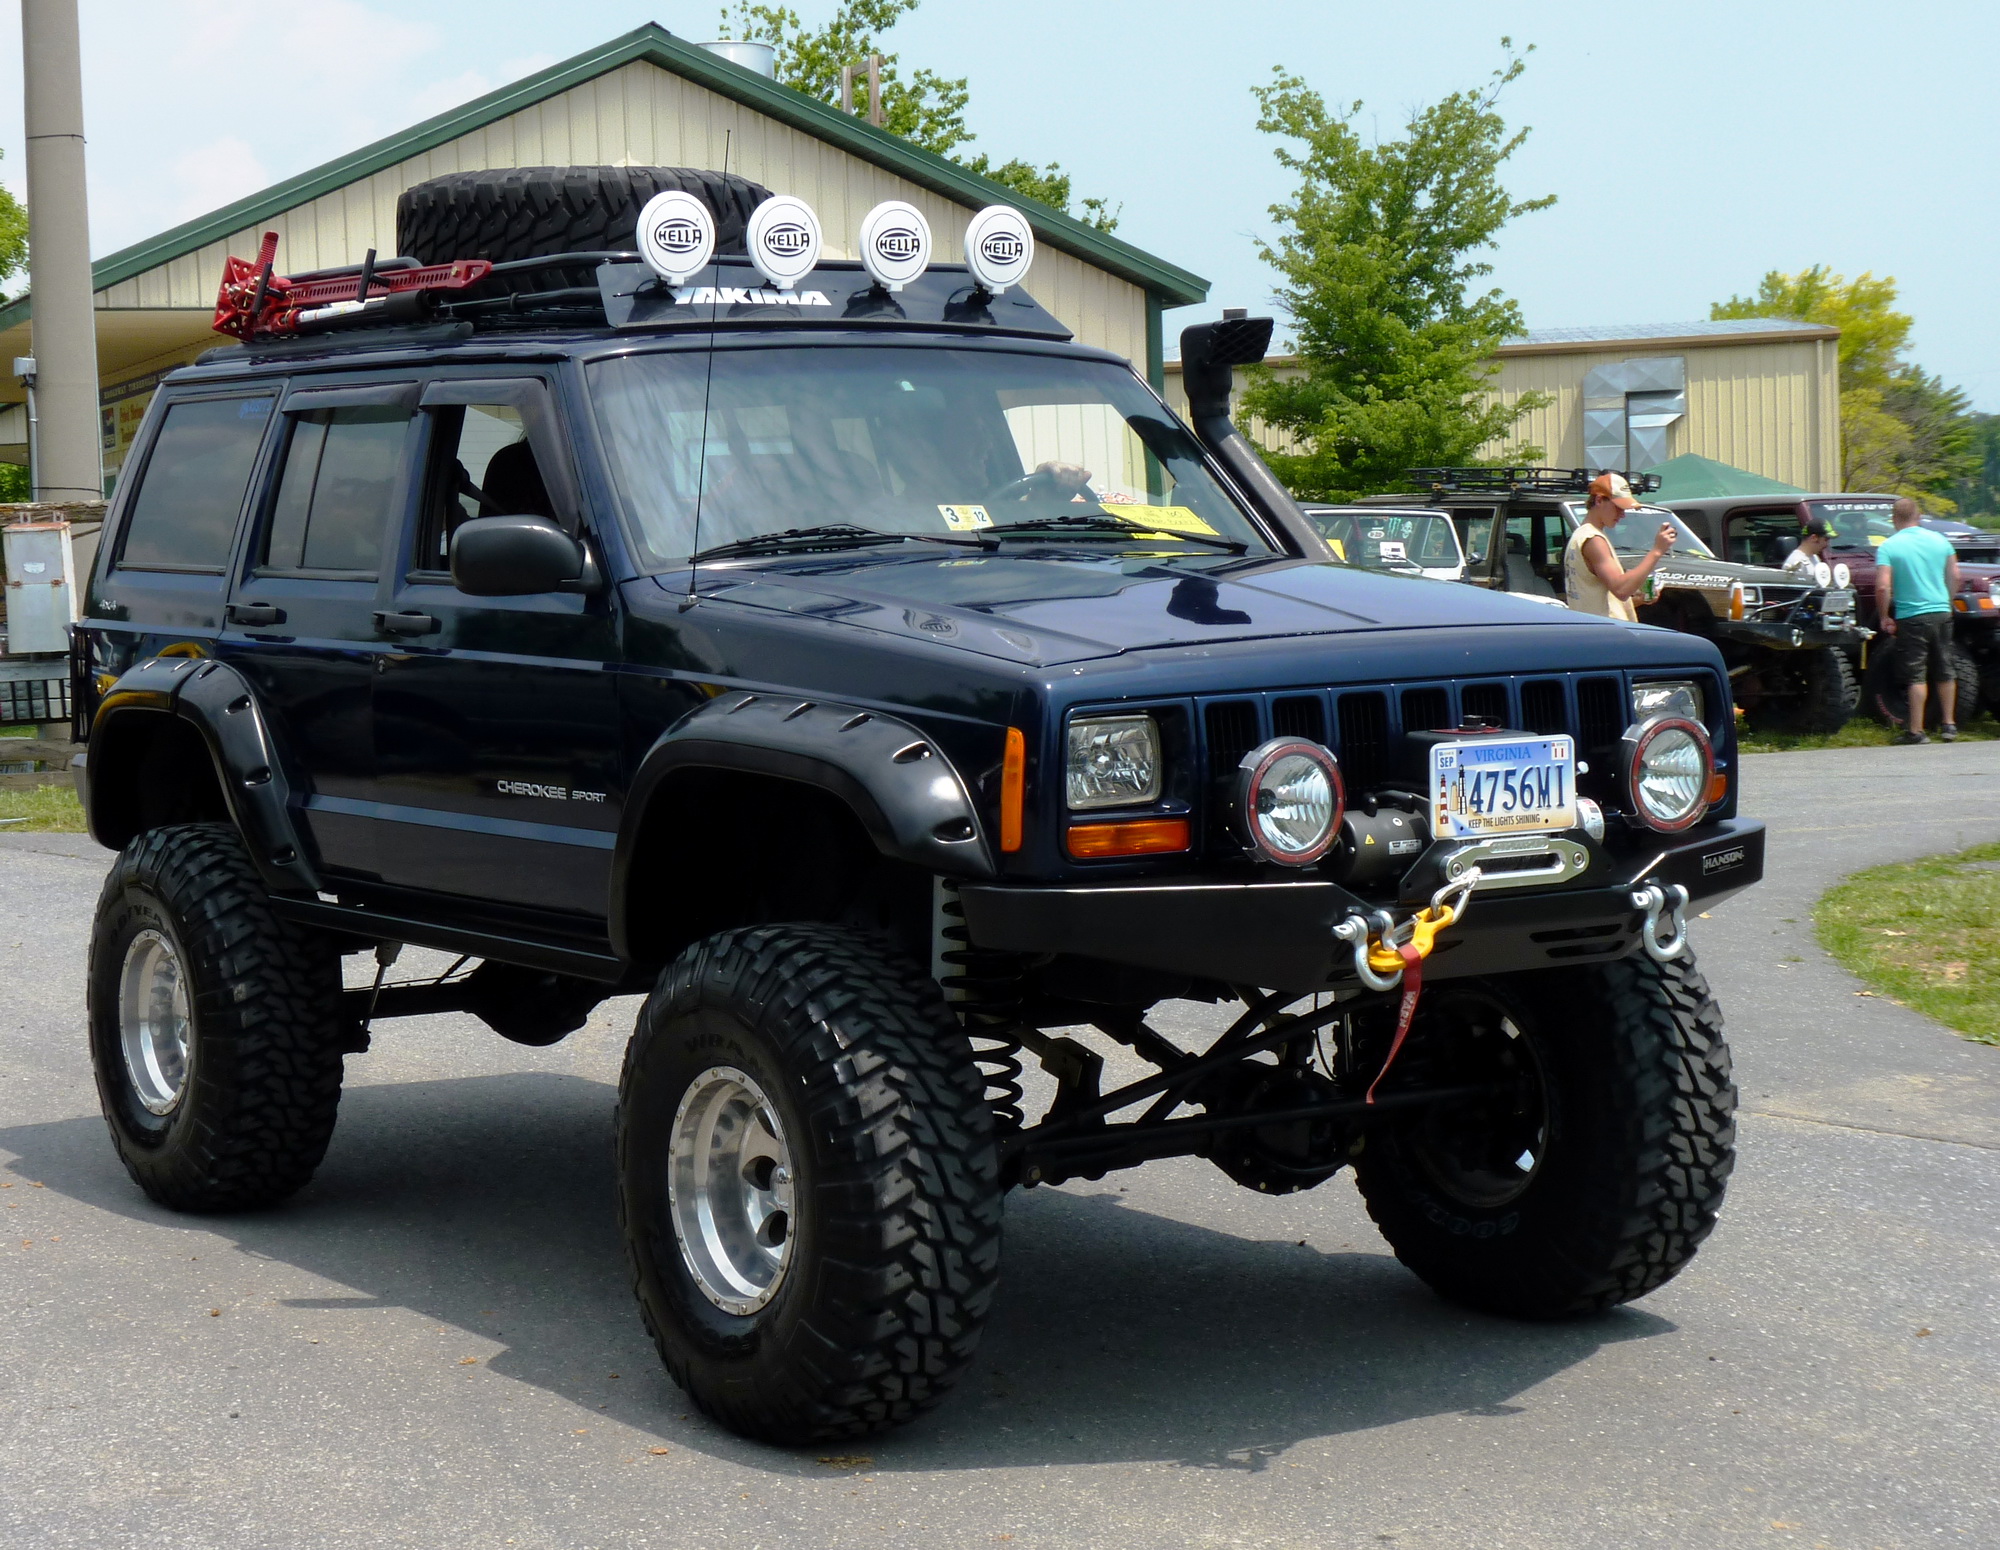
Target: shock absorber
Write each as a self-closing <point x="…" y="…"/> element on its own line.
<point x="984" y="989"/>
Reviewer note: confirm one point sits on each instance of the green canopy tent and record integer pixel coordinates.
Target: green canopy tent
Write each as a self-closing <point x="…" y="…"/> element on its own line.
<point x="1689" y="477"/>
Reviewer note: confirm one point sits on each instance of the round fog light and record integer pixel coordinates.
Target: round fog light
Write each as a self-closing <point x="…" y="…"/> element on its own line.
<point x="1289" y="799"/>
<point x="1667" y="763"/>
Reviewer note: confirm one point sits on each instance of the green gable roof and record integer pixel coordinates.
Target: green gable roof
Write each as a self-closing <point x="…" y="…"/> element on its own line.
<point x="1691" y="477"/>
<point x="653" y="44"/>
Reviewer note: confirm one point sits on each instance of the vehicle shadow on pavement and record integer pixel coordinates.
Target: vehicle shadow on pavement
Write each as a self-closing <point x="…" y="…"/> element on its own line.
<point x="1118" y="1335"/>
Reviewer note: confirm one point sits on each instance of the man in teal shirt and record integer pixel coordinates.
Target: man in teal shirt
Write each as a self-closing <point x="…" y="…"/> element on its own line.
<point x="1916" y="577"/>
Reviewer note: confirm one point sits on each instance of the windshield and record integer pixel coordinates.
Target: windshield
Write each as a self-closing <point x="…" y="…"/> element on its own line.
<point x="1635" y="530"/>
<point x="900" y="439"/>
<point x="1856" y="524"/>
<point x="1399" y="542"/>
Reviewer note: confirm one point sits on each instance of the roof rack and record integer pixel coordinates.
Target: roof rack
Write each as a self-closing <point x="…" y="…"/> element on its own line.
<point x="381" y="302"/>
<point x="1523" y="481"/>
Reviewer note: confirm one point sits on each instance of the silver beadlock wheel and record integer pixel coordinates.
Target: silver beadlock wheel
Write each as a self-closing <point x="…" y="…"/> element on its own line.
<point x="729" y="1190"/>
<point x="153" y="1021"/>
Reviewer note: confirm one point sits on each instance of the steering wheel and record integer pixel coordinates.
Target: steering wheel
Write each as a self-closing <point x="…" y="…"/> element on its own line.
<point x="1041" y="484"/>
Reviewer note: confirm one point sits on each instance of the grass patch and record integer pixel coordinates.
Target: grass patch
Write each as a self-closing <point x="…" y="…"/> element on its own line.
<point x="1926" y="933"/>
<point x="1862" y="732"/>
<point x="50" y="809"/>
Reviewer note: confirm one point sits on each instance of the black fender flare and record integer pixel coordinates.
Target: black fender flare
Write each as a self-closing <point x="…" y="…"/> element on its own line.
<point x="220" y="704"/>
<point x="911" y="799"/>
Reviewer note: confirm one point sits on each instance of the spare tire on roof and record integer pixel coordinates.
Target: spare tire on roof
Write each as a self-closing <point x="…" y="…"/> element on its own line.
<point x="532" y="212"/>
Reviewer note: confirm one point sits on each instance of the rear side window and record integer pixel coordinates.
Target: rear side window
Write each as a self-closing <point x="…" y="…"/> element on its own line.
<point x="184" y="514"/>
<point x="342" y="471"/>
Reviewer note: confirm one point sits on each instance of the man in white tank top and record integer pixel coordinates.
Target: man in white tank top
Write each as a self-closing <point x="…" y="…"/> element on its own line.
<point x="1593" y="580"/>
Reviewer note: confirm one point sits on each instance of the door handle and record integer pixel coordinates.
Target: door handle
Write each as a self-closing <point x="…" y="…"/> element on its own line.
<point x="406" y="624"/>
<point x="256" y="613"/>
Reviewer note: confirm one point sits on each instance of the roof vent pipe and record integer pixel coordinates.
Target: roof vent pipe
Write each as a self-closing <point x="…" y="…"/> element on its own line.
<point x="760" y="57"/>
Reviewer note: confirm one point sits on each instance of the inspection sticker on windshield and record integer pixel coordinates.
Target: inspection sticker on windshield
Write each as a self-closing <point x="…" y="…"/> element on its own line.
<point x="965" y="519"/>
<point x="1503" y="786"/>
<point x="1159" y="519"/>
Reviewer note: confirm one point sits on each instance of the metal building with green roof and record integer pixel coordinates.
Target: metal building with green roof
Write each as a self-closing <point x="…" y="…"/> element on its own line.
<point x="647" y="99"/>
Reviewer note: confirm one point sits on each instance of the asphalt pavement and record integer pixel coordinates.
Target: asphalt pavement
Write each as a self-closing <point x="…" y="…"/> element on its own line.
<point x="434" y="1344"/>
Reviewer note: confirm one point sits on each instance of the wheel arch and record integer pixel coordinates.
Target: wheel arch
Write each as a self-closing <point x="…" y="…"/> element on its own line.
<point x="809" y="785"/>
<point x="183" y="739"/>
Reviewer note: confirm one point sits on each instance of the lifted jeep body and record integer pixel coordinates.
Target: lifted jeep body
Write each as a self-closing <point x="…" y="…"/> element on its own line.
<point x="879" y="682"/>
<point x="1762" y="530"/>
<point x="1785" y="639"/>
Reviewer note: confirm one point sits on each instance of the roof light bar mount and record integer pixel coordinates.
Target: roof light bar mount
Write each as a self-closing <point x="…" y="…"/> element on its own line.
<point x="1523" y="481"/>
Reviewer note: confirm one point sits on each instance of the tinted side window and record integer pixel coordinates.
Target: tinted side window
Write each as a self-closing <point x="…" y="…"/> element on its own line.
<point x="482" y="466"/>
<point x="184" y="515"/>
<point x="341" y="474"/>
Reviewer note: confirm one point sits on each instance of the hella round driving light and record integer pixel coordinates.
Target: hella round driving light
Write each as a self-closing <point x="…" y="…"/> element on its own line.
<point x="1842" y="575"/>
<point x="1289" y="800"/>
<point x="1667" y="764"/>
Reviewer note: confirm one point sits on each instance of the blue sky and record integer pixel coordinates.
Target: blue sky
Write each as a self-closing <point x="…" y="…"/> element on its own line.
<point x="1692" y="146"/>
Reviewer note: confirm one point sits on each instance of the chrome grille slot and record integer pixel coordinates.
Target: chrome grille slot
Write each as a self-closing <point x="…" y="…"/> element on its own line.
<point x="1364" y="738"/>
<point x="1544" y="706"/>
<point x="1427" y="709"/>
<point x="1299" y="715"/>
<point x="1233" y="730"/>
<point x="1487" y="701"/>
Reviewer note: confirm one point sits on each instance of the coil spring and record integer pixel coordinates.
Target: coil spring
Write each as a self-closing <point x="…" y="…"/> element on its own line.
<point x="984" y="989"/>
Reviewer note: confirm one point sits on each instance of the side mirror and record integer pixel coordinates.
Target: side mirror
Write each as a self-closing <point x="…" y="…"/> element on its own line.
<point x="514" y="557"/>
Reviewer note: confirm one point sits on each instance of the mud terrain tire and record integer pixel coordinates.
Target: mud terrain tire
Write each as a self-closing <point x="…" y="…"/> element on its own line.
<point x="262" y="1011"/>
<point x="1831" y="696"/>
<point x="533" y="212"/>
<point x="1637" y="1139"/>
<point x="895" y="1200"/>
<point x="1889" y="701"/>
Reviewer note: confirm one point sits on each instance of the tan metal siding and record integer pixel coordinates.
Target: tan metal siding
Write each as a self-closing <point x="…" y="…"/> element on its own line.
<point x="1770" y="408"/>
<point x="642" y="115"/>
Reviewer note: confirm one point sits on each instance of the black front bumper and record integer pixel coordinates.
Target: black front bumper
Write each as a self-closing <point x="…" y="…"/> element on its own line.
<point x="1279" y="935"/>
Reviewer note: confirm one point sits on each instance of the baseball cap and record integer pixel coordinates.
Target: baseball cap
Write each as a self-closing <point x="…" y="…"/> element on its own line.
<point x="1817" y="529"/>
<point x="1612" y="487"/>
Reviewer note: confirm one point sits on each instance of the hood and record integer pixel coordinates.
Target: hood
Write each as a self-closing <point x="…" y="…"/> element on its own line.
<point x="1066" y="606"/>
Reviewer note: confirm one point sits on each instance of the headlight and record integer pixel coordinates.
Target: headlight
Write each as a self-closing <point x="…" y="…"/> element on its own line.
<point x="1667" y="764"/>
<point x="1114" y="761"/>
<point x="1289" y="800"/>
<point x="1675" y="697"/>
<point x="1842" y="575"/>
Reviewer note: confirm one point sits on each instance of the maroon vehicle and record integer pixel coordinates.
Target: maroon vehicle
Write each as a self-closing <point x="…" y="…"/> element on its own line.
<point x="1762" y="530"/>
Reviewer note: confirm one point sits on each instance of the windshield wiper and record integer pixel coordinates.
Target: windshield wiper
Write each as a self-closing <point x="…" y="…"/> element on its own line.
<point x="831" y="535"/>
<point x="1087" y="527"/>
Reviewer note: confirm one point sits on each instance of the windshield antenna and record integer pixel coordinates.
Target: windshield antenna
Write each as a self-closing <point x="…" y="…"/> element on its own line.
<point x="707" y="386"/>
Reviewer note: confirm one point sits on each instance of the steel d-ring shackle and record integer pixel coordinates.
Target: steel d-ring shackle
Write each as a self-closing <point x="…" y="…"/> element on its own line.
<point x="1656" y="901"/>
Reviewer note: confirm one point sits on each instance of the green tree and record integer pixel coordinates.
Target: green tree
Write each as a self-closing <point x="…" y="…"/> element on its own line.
<point x="1378" y="254"/>
<point x="925" y="108"/>
<point x="1902" y="431"/>
<point x="13" y="236"/>
<point x="1977" y="495"/>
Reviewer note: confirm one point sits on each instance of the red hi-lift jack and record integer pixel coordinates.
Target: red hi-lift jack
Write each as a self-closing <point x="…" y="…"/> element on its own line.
<point x="256" y="303"/>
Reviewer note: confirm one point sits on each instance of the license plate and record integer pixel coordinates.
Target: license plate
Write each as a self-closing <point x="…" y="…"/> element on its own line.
<point x="1510" y="785"/>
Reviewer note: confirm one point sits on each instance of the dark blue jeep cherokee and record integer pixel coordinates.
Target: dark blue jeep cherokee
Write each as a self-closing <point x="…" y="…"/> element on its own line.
<point x="877" y="681"/>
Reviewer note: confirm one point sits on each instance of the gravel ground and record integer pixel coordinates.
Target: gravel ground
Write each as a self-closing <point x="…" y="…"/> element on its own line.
<point x="434" y="1344"/>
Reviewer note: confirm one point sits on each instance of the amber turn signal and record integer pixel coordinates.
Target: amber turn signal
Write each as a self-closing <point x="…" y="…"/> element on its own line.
<point x="1141" y="837"/>
<point x="1718" y="788"/>
<point x="1013" y="784"/>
